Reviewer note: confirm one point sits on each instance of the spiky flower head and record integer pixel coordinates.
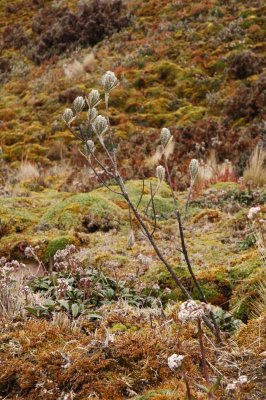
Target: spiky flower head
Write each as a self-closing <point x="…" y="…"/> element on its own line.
<point x="90" y="146"/>
<point x="100" y="125"/>
<point x="68" y="116"/>
<point x="160" y="172"/>
<point x="93" y="98"/>
<point x="79" y="104"/>
<point x="165" y="136"/>
<point x="193" y="168"/>
<point x="92" y="114"/>
<point x="130" y="239"/>
<point x="109" y="81"/>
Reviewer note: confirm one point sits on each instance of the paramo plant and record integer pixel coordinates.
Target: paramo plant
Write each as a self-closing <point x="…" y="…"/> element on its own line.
<point x="94" y="132"/>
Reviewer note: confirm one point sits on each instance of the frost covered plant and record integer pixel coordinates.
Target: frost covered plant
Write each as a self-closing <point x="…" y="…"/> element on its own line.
<point x="90" y="146"/>
<point x="193" y="170"/>
<point x="10" y="297"/>
<point x="79" y="104"/>
<point x="68" y="116"/>
<point x="166" y="137"/>
<point x="160" y="173"/>
<point x="96" y="131"/>
<point x="109" y="81"/>
<point x="191" y="311"/>
<point x="100" y="125"/>
<point x="65" y="260"/>
<point x="93" y="99"/>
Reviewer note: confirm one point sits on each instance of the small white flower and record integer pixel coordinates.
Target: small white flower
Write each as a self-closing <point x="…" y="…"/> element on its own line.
<point x="100" y="125"/>
<point x="109" y="81"/>
<point x="166" y="136"/>
<point x="175" y="361"/>
<point x="90" y="146"/>
<point x="193" y="168"/>
<point x="160" y="172"/>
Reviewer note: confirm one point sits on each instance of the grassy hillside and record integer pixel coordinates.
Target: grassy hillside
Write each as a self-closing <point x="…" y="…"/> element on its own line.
<point x="195" y="66"/>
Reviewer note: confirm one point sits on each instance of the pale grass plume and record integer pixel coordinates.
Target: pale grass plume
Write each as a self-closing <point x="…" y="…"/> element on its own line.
<point x="255" y="171"/>
<point x="156" y="157"/>
<point x="27" y="171"/>
<point x="211" y="169"/>
<point x="258" y="306"/>
<point x="77" y="68"/>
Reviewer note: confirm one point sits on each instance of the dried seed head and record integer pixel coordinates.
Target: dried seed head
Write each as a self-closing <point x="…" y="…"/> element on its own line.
<point x="109" y="81"/>
<point x="79" y="104"/>
<point x="193" y="168"/>
<point x="90" y="146"/>
<point x="166" y="136"/>
<point x="130" y="239"/>
<point x="100" y="125"/>
<point x="160" y="172"/>
<point x="92" y="114"/>
<point x="68" y="115"/>
<point x="93" y="98"/>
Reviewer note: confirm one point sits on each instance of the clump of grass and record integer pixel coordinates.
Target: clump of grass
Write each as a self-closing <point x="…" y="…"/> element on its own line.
<point x="255" y="171"/>
<point x="27" y="171"/>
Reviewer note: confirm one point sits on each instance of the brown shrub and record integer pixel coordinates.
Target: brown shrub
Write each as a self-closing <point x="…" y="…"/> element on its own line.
<point x="248" y="102"/>
<point x="13" y="36"/>
<point x="60" y="29"/>
<point x="244" y="64"/>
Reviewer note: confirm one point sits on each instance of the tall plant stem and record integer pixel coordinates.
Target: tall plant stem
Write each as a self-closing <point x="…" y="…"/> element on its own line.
<point x="184" y="248"/>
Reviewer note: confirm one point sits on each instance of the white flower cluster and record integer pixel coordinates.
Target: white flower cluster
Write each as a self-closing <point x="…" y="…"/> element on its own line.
<point x="166" y="137"/>
<point x="64" y="260"/>
<point x="109" y="81"/>
<point x="190" y="310"/>
<point x="236" y="383"/>
<point x="160" y="172"/>
<point x="95" y="123"/>
<point x="7" y="268"/>
<point x="144" y="260"/>
<point x="62" y="287"/>
<point x="175" y="361"/>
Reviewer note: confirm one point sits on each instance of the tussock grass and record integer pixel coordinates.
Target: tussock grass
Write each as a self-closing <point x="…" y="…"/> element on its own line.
<point x="255" y="171"/>
<point x="27" y="171"/>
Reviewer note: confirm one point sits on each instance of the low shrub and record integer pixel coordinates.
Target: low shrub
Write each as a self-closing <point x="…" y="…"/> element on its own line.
<point x="60" y="29"/>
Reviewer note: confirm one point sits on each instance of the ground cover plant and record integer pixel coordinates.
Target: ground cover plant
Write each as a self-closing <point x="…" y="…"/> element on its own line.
<point x="132" y="200"/>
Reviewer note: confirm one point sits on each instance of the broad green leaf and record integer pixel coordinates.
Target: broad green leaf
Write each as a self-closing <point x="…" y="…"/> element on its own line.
<point x="75" y="309"/>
